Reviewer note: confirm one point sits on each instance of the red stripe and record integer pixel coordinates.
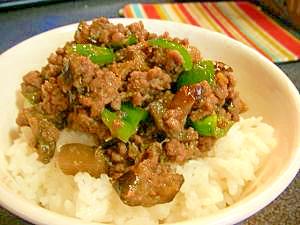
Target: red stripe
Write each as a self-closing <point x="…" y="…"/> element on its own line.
<point x="216" y="20"/>
<point x="238" y="31"/>
<point x="273" y="29"/>
<point x="151" y="11"/>
<point x="188" y="15"/>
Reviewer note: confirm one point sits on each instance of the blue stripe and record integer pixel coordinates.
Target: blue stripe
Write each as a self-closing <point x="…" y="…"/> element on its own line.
<point x="137" y="11"/>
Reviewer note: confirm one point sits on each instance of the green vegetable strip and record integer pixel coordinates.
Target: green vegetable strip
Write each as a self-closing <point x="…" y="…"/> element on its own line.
<point x="204" y="70"/>
<point x="163" y="43"/>
<point x="128" y="119"/>
<point x="208" y="126"/>
<point x="131" y="40"/>
<point x="98" y="55"/>
<point x="133" y="115"/>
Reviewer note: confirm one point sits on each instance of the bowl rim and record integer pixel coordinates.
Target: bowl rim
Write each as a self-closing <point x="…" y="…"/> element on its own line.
<point x="230" y="215"/>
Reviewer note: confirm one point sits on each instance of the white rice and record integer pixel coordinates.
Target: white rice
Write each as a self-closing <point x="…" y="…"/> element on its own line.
<point x="210" y="183"/>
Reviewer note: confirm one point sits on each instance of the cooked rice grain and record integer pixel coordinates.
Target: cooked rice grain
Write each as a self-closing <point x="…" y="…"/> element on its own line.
<point x="211" y="183"/>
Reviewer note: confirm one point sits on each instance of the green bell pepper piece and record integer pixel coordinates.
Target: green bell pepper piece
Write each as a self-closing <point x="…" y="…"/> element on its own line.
<point x="163" y="43"/>
<point x="129" y="118"/>
<point x="208" y="126"/>
<point x="131" y="40"/>
<point x="203" y="70"/>
<point x="97" y="54"/>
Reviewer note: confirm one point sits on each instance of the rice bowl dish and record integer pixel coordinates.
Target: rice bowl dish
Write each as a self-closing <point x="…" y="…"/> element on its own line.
<point x="212" y="180"/>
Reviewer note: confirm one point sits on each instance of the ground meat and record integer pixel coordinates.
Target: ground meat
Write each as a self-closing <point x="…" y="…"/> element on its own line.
<point x="173" y="60"/>
<point x="195" y="54"/>
<point x="82" y="34"/>
<point x="101" y="31"/>
<point x="79" y="120"/>
<point x="45" y="134"/>
<point x="170" y="60"/>
<point x="132" y="59"/>
<point x="167" y="59"/>
<point x="139" y="31"/>
<point x="158" y="80"/>
<point x="54" y="100"/>
<point x="137" y="99"/>
<point x="137" y="139"/>
<point x="82" y="71"/>
<point x="53" y="68"/>
<point x="118" y="158"/>
<point x="31" y="93"/>
<point x="116" y="102"/>
<point x="148" y="183"/>
<point x="205" y="143"/>
<point x="95" y="87"/>
<point x="138" y="81"/>
<point x="174" y="120"/>
<point x="122" y="157"/>
<point x="33" y="78"/>
<point x="103" y="89"/>
<point x="237" y="107"/>
<point x="146" y="84"/>
<point x="221" y="90"/>
<point x="60" y="51"/>
<point x="123" y="69"/>
<point x="175" y="150"/>
<point x="179" y="108"/>
<point x="206" y="104"/>
<point x="55" y="59"/>
<point x="189" y="135"/>
<point x="158" y="108"/>
<point x="226" y="92"/>
<point x="184" y="42"/>
<point x="31" y="86"/>
<point x="71" y="92"/>
<point x="48" y="135"/>
<point x="22" y="119"/>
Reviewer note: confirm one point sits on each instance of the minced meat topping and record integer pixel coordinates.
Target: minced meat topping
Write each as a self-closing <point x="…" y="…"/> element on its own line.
<point x="151" y="102"/>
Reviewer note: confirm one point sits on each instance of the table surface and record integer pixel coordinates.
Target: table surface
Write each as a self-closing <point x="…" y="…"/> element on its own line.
<point x="18" y="25"/>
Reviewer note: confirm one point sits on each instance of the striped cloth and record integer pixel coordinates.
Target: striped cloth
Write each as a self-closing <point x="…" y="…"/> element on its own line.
<point x="242" y="21"/>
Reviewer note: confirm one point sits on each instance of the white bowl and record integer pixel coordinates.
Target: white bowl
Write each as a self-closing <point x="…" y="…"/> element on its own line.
<point x="265" y="88"/>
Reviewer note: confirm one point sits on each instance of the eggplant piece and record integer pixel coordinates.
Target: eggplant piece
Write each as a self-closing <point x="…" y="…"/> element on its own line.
<point x="75" y="157"/>
<point x="149" y="182"/>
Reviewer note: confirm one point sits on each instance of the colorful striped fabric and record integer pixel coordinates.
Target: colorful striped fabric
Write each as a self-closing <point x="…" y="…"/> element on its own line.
<point x="242" y="21"/>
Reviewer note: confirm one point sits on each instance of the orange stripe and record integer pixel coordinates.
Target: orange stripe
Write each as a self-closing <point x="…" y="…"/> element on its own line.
<point x="226" y="31"/>
<point x="224" y="23"/>
<point x="237" y="30"/>
<point x="198" y="15"/>
<point x="245" y="29"/>
<point x="128" y="11"/>
<point x="271" y="28"/>
<point x="187" y="15"/>
<point x="261" y="32"/>
<point x="159" y="12"/>
<point x="178" y="13"/>
<point x="208" y="18"/>
<point x="171" y="13"/>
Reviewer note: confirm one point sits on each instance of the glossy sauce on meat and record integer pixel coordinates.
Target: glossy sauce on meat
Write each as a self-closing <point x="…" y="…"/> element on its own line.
<point x="126" y="100"/>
